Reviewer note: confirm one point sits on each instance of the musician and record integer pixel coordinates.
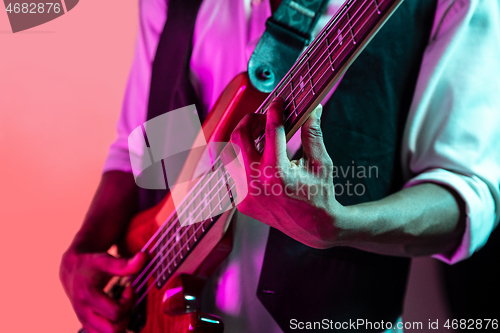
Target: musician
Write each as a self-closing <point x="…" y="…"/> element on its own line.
<point x="437" y="161"/>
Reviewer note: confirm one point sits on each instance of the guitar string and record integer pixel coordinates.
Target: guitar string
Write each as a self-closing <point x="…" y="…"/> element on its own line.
<point x="282" y="88"/>
<point x="298" y="104"/>
<point x="183" y="233"/>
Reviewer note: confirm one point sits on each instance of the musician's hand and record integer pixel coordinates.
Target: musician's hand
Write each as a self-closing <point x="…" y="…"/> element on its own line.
<point x="296" y="197"/>
<point x="84" y="275"/>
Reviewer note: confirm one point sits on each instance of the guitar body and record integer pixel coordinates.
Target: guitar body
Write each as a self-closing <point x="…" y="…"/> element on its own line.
<point x="174" y="307"/>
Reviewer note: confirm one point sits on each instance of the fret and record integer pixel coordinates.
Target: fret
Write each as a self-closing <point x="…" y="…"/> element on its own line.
<point x="204" y="214"/>
<point x="177" y="237"/>
<point x="378" y="7"/>
<point x="161" y="261"/>
<point x="210" y="210"/>
<point x="340" y="38"/>
<point x="198" y="200"/>
<point x="185" y="211"/>
<point x="213" y="186"/>
<point x="350" y="27"/>
<point x="309" y="73"/>
<point x="321" y="68"/>
<point x="229" y="187"/>
<point x="205" y="205"/>
<point x="228" y="197"/>
<point x="293" y="98"/>
<point x="299" y="93"/>
<point x="169" y="248"/>
<point x="187" y="237"/>
<point x="218" y="191"/>
<point x="178" y="243"/>
<point x="290" y="112"/>
<point x="192" y="237"/>
<point x="329" y="53"/>
<point x="365" y="15"/>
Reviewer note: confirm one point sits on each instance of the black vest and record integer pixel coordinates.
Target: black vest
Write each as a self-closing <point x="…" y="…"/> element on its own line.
<point x="362" y="125"/>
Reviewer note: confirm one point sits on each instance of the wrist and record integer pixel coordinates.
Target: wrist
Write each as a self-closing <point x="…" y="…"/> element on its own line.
<point x="351" y="225"/>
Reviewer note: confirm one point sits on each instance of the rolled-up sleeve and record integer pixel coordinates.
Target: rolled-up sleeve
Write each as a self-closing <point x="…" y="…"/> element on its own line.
<point x="452" y="135"/>
<point x="152" y="18"/>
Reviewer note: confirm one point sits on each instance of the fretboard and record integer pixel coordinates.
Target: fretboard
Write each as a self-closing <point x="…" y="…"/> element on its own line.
<point x="328" y="57"/>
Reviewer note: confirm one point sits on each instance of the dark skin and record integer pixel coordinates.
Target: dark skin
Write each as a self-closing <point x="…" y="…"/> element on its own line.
<point x="86" y="267"/>
<point x="421" y="220"/>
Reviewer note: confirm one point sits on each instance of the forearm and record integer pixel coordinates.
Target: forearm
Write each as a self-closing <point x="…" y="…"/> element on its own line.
<point x="113" y="205"/>
<point x="421" y="220"/>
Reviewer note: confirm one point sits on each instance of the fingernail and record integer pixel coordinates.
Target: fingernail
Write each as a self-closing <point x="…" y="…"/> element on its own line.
<point x="318" y="112"/>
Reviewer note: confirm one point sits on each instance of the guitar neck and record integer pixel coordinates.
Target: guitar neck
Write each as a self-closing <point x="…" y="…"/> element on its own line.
<point x="328" y="57"/>
<point x="315" y="73"/>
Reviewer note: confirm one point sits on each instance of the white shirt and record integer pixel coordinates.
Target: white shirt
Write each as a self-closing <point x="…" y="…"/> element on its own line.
<point x="452" y="135"/>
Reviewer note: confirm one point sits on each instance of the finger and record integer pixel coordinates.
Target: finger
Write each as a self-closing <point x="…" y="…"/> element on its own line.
<point x="120" y="266"/>
<point x="243" y="136"/>
<point x="95" y="323"/>
<point x="312" y="139"/>
<point x="107" y="307"/>
<point x="275" y="150"/>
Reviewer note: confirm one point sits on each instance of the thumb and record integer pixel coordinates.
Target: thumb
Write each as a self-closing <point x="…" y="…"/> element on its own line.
<point x="120" y="266"/>
<point x="312" y="137"/>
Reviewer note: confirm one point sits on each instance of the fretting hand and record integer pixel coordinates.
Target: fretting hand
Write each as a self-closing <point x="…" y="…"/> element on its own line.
<point x="297" y="197"/>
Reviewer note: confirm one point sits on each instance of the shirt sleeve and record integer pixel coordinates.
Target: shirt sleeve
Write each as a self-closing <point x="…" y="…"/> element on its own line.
<point x="152" y="18"/>
<point x="452" y="135"/>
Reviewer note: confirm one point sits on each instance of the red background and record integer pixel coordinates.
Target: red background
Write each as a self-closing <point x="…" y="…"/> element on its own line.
<point x="61" y="87"/>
